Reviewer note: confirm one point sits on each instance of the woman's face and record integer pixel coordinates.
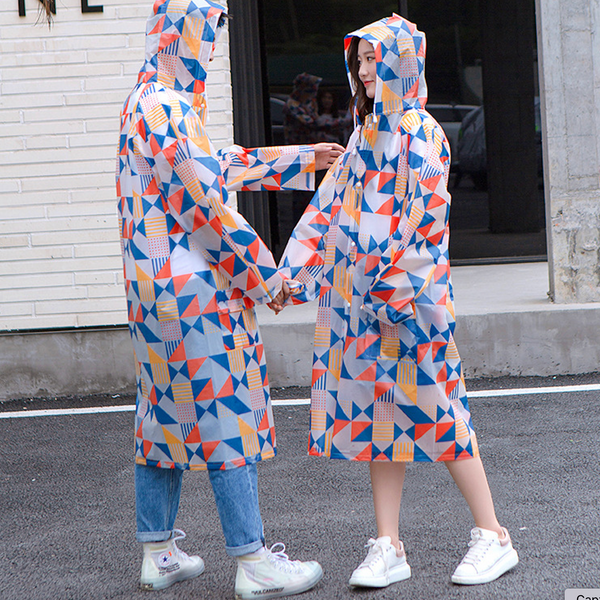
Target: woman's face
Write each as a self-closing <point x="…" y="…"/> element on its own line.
<point x="367" y="66"/>
<point x="327" y="101"/>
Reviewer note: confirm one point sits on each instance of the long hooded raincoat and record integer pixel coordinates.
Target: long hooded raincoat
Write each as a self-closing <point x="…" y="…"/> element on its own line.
<point x="373" y="247"/>
<point x="194" y="268"/>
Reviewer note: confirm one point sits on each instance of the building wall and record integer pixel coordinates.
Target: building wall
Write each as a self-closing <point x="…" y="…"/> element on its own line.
<point x="61" y="89"/>
<point x="569" y="59"/>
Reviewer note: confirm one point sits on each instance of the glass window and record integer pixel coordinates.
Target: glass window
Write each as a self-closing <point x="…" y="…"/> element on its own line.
<point x="304" y="47"/>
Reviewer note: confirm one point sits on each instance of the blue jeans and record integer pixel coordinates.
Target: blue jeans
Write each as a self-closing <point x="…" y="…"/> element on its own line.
<point x="157" y="493"/>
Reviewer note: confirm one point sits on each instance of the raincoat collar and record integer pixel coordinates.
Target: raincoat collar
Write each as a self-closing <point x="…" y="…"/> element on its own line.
<point x="400" y="54"/>
<point x="179" y="39"/>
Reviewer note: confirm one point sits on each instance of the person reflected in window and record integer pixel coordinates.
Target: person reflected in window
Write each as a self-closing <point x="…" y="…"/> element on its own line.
<point x="300" y="115"/>
<point x="333" y="124"/>
<point x="300" y="112"/>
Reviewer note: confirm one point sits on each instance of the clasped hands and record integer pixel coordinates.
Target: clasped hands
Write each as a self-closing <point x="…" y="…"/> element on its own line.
<point x="276" y="305"/>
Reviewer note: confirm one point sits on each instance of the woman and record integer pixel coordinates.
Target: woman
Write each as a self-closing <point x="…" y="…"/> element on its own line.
<point x="333" y="125"/>
<point x="300" y="112"/>
<point x="387" y="379"/>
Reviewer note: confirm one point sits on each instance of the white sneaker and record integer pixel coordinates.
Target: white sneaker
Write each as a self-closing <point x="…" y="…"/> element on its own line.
<point x="382" y="566"/>
<point x="488" y="558"/>
<point x="271" y="574"/>
<point x="165" y="564"/>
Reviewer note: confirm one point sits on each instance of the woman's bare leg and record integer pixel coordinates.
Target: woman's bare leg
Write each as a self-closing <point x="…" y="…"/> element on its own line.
<point x="387" y="480"/>
<point x="469" y="476"/>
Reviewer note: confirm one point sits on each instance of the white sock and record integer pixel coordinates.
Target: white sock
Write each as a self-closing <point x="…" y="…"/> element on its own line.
<point x="252" y="555"/>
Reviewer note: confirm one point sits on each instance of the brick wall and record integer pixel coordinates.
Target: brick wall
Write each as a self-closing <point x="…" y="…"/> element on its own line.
<point x="61" y="90"/>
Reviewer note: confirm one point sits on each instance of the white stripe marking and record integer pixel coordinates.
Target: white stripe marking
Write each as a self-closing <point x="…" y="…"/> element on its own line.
<point x="290" y="402"/>
<point x="92" y="410"/>
<point x="59" y="412"/>
<point x="587" y="387"/>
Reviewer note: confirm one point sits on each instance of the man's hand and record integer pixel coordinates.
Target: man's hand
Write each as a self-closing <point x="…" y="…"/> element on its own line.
<point x="326" y="154"/>
<point x="277" y="304"/>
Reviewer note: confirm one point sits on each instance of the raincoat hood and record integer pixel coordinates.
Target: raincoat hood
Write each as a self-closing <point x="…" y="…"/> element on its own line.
<point x="400" y="55"/>
<point x="179" y="40"/>
<point x="305" y="85"/>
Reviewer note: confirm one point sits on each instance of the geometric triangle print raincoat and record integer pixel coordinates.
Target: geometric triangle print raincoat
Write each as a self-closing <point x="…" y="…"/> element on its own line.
<point x="194" y="268"/>
<point x="372" y="246"/>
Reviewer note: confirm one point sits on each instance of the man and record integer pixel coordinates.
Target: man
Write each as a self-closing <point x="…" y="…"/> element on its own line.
<point x="194" y="268"/>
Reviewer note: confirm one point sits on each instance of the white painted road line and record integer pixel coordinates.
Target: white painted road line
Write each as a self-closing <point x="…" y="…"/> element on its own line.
<point x="59" y="412"/>
<point x="565" y="389"/>
<point x="559" y="389"/>
<point x="93" y="410"/>
<point x="290" y="401"/>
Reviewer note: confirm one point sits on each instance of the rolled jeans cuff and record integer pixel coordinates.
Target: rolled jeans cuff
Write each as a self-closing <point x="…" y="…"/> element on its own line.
<point x="153" y="536"/>
<point x="246" y="549"/>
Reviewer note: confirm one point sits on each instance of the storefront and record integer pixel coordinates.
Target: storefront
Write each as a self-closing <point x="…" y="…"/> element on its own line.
<point x="481" y="59"/>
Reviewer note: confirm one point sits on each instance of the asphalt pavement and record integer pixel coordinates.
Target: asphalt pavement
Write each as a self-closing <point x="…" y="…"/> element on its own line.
<point x="67" y="526"/>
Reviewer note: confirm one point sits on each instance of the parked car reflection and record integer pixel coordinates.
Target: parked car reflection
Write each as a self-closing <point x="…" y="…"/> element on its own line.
<point x="277" y="105"/>
<point x="450" y="117"/>
<point x="472" y="154"/>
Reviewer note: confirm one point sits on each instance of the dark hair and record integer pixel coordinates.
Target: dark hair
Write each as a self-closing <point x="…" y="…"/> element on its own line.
<point x="362" y="102"/>
<point x="223" y="18"/>
<point x="334" y="105"/>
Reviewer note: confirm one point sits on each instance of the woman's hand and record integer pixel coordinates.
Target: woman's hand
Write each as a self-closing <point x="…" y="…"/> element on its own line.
<point x="326" y="154"/>
<point x="276" y="305"/>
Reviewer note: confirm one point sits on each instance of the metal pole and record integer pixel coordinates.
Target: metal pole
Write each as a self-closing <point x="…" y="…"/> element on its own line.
<point x="403" y="8"/>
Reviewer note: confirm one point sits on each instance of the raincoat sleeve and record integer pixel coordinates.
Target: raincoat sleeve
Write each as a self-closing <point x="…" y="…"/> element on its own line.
<point x="189" y="180"/>
<point x="418" y="252"/>
<point x="275" y="168"/>
<point x="304" y="256"/>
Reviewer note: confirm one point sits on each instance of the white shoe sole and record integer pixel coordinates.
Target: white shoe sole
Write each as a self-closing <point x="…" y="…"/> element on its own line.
<point x="166" y="582"/>
<point x="507" y="562"/>
<point x="280" y="592"/>
<point x="394" y="575"/>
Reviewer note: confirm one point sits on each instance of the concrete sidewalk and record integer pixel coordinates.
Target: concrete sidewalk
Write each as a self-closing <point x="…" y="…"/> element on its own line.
<point x="505" y="325"/>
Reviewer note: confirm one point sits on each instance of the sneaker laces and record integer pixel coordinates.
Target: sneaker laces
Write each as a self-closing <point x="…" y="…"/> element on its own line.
<point x="280" y="560"/>
<point x="478" y="546"/>
<point x="374" y="553"/>
<point x="178" y="534"/>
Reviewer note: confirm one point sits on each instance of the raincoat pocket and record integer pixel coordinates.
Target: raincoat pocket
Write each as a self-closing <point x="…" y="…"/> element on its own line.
<point x="389" y="342"/>
<point x="239" y="328"/>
